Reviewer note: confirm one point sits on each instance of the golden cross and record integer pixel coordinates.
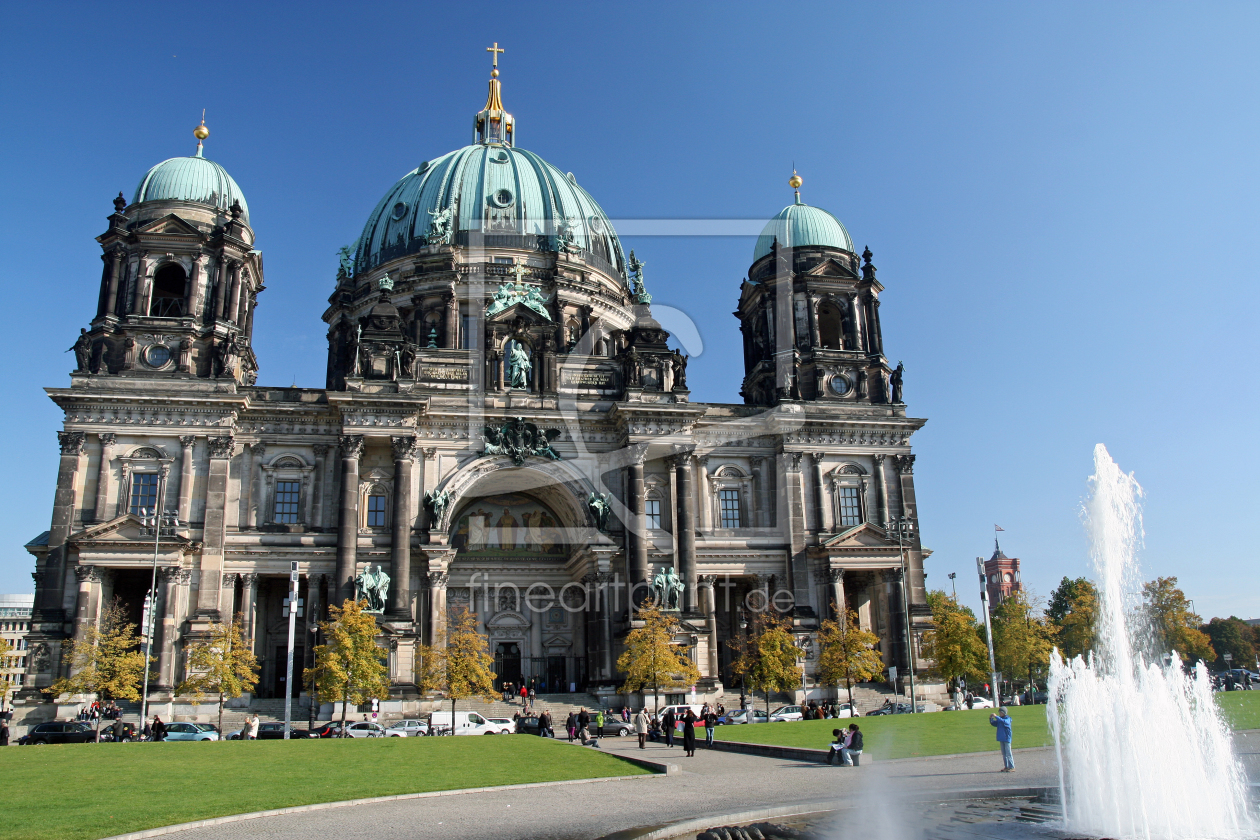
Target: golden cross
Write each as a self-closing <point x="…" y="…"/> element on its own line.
<point x="495" y="50"/>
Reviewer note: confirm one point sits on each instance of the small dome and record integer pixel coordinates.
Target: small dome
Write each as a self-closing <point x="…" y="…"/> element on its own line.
<point x="192" y="178"/>
<point x="496" y="189"/>
<point x="799" y="225"/>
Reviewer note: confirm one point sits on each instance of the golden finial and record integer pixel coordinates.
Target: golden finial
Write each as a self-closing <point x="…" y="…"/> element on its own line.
<point x="795" y="183"/>
<point x="201" y="132"/>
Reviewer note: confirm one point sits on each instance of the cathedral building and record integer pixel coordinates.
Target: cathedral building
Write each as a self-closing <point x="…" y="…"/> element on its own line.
<point x="503" y="427"/>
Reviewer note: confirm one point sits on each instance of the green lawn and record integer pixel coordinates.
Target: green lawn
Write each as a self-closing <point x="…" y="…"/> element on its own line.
<point x="85" y="791"/>
<point x="943" y="733"/>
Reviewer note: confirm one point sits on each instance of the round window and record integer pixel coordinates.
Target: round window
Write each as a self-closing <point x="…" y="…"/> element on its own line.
<point x="157" y="355"/>
<point x="501" y="197"/>
<point x="840" y="385"/>
<point x="424" y="167"/>
<point x="596" y="224"/>
<point x="400" y="210"/>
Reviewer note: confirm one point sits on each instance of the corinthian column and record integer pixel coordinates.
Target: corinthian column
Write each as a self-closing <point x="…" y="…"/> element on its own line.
<point x="186" y="477"/>
<point x="709" y="599"/>
<point x="638" y="537"/>
<point x="49" y="595"/>
<point x="400" y="553"/>
<point x="437" y="608"/>
<point x="687" y="532"/>
<point x="348" y="522"/>
<point x="103" y="472"/>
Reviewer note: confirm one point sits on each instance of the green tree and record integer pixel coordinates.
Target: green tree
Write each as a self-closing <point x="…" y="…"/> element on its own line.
<point x="468" y="663"/>
<point x="652" y="660"/>
<point x="106" y="661"/>
<point x="1175" y="626"/>
<point x="348" y="665"/>
<point x="954" y="644"/>
<point x="1076" y="626"/>
<point x="221" y="663"/>
<point x="1062" y="597"/>
<point x="1022" y="638"/>
<point x="1232" y="635"/>
<point x="766" y="659"/>
<point x="430" y="668"/>
<point x="847" y="653"/>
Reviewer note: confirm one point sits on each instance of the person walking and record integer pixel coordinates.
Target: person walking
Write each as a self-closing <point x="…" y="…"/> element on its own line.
<point x="524" y="696"/>
<point x="251" y="728"/>
<point x="667" y="723"/>
<point x="689" y="734"/>
<point x="583" y="719"/>
<point x="641" y="727"/>
<point x="571" y="725"/>
<point x="532" y="696"/>
<point x="710" y="723"/>
<point x="4" y="732"/>
<point x="159" y="729"/>
<point x="599" y="722"/>
<point x="118" y="730"/>
<point x="544" y="724"/>
<point x="1002" y="722"/>
<point x="850" y="752"/>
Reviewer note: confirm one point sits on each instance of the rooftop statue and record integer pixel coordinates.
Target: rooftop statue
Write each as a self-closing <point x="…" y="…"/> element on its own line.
<point x="519" y="367"/>
<point x="346" y="256"/>
<point x="439" y="227"/>
<point x="636" y="279"/>
<point x="509" y="294"/>
<point x="519" y="439"/>
<point x="566" y="237"/>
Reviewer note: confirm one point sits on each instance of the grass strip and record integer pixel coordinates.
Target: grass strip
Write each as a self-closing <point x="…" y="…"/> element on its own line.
<point x="88" y="791"/>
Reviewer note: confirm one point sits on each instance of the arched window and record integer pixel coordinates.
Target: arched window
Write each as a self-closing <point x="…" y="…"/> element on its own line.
<point x="169" y="288"/>
<point x="376" y="506"/>
<point x="830" y="327"/>
<point x="572" y="332"/>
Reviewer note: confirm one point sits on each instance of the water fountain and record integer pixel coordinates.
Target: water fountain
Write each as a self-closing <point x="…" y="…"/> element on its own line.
<point x="1143" y="750"/>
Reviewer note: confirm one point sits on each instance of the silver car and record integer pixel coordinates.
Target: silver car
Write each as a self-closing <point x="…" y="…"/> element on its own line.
<point x="366" y="729"/>
<point x="408" y="729"/>
<point x="191" y="732"/>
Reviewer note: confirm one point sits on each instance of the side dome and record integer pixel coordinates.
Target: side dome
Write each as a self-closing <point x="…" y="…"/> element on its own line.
<point x="511" y="196"/>
<point x="799" y="225"/>
<point x="194" y="179"/>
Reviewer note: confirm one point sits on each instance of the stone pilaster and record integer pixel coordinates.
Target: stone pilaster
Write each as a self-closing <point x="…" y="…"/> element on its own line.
<point x="348" y="518"/>
<point x="215" y="533"/>
<point x="686" y="532"/>
<point x="50" y="596"/>
<point x="104" y="472"/>
<point x="405" y="449"/>
<point x="186" y="443"/>
<point x="638" y="570"/>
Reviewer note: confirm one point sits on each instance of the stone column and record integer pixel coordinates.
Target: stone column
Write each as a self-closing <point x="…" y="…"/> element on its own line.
<point x="686" y="533"/>
<point x="320" y="451"/>
<point x="103" y="472"/>
<point x="820" y="499"/>
<point x="49" y="597"/>
<point x="855" y="318"/>
<point x="706" y="503"/>
<point x="139" y="304"/>
<point x="348" y="520"/>
<point x="249" y="603"/>
<point x="765" y="508"/>
<point x="221" y="448"/>
<point x="814" y="333"/>
<point x="536" y="669"/>
<point x="896" y="617"/>
<point x="85" y="615"/>
<point x="881" y="491"/>
<point x="223" y="279"/>
<point x="452" y="320"/>
<point x="710" y="615"/>
<point x="437" y="608"/>
<point x="877" y="332"/>
<point x="194" y="286"/>
<point x="186" y="443"/>
<point x="605" y="580"/>
<point x="168" y="576"/>
<point x="838" y="606"/>
<point x="635" y="527"/>
<point x="793" y="499"/>
<point x="405" y="449"/>
<point x="234" y="297"/>
<point x="251" y="483"/>
<point x="115" y="277"/>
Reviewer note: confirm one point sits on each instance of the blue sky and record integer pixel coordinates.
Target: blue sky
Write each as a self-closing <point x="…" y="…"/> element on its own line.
<point x="1061" y="199"/>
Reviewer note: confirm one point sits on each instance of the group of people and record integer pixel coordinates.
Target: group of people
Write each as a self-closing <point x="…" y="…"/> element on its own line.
<point x="815" y="711"/>
<point x="95" y="711"/>
<point x="847" y="747"/>
<point x="651" y="727"/>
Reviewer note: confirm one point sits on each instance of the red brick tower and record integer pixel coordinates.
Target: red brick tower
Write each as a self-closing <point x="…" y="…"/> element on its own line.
<point x="1003" y="575"/>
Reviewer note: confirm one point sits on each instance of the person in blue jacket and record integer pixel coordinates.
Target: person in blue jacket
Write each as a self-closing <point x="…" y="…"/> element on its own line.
<point x="1002" y="722"/>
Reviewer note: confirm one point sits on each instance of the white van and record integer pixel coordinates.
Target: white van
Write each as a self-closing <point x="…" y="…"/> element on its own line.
<point x="680" y="710"/>
<point x="466" y="723"/>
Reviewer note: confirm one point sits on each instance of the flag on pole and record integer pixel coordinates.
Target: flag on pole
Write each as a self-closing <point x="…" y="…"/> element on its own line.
<point x="998" y="528"/>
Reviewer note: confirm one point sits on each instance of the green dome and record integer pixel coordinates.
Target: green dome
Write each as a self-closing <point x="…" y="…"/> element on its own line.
<point x="799" y="225"/>
<point x="513" y="196"/>
<point x="192" y="178"/>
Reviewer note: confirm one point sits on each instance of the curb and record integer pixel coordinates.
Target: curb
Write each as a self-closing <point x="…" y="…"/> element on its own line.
<point x="660" y="767"/>
<point x="320" y="806"/>
<point x="696" y="825"/>
<point x="776" y="751"/>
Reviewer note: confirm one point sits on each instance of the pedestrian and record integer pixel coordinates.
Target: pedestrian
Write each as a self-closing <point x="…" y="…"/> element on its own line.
<point x="667" y="723"/>
<point x="4" y="732"/>
<point x="583" y="719"/>
<point x="654" y="729"/>
<point x="524" y="695"/>
<point x="159" y="729"/>
<point x="599" y="722"/>
<point x="1002" y="722"/>
<point x="571" y="726"/>
<point x="544" y="724"/>
<point x="532" y="696"/>
<point x="118" y="730"/>
<point x="251" y="727"/>
<point x="146" y="733"/>
<point x="710" y="723"/>
<point x="641" y="728"/>
<point x="852" y="749"/>
<point x="689" y="734"/>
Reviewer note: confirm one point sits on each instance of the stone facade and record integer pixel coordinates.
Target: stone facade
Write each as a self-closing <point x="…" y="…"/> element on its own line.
<point x="503" y="427"/>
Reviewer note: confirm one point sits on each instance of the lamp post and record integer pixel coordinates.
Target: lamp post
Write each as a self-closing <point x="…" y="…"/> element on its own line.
<point x="155" y="520"/>
<point x="953" y="585"/>
<point x="988" y="628"/>
<point x="904" y="528"/>
<point x="312" y="695"/>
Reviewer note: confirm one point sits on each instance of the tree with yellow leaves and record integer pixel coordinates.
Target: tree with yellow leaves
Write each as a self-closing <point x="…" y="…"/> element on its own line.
<point x="767" y="659"/>
<point x="847" y="653"/>
<point x="652" y="660"/>
<point x="221" y="663"/>
<point x="469" y="667"/>
<point x="105" y="661"/>
<point x="348" y="666"/>
<point x="1022" y="638"/>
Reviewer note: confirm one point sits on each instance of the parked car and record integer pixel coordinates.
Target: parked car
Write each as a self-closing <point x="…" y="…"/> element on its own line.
<point x="327" y="730"/>
<point x="59" y="732"/>
<point x="271" y="731"/>
<point x="890" y="708"/>
<point x="411" y="729"/>
<point x="465" y="723"/>
<point x="978" y="702"/>
<point x="128" y="733"/>
<point x="786" y="713"/>
<point x="846" y="710"/>
<point x="614" y="726"/>
<point x="191" y="732"/>
<point x="506" y="726"/>
<point x="741" y="716"/>
<point x="679" y="709"/>
<point x="365" y="729"/>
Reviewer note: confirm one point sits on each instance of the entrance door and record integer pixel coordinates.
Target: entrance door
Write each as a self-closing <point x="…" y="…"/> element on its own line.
<point x="555" y="675"/>
<point x="281" y="660"/>
<point x="507" y="664"/>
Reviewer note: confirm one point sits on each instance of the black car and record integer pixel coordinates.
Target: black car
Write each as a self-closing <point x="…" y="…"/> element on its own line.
<point x="327" y="730"/>
<point x="128" y="732"/>
<point x="57" y="732"/>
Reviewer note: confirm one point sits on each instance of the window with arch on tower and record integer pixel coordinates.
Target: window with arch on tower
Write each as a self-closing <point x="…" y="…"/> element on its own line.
<point x="830" y="327"/>
<point x="169" y="289"/>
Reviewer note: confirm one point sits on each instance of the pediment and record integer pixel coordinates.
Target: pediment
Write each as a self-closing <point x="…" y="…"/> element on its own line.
<point x="830" y="268"/>
<point x="508" y="619"/>
<point x="169" y="224"/>
<point x="519" y="310"/>
<point x="127" y="531"/>
<point x="556" y="642"/>
<point x="865" y="535"/>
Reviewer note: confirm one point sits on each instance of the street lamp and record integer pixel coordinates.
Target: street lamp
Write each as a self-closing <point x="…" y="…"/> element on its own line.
<point x="154" y="519"/>
<point x="904" y="527"/>
<point x="953" y="585"/>
<point x="312" y="694"/>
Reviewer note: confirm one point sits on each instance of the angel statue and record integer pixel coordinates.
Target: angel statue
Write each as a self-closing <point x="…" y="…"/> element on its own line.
<point x="599" y="507"/>
<point x="435" y="504"/>
<point x="439" y="226"/>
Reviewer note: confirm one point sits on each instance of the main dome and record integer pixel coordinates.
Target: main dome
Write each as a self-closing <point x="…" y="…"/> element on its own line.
<point x="192" y="178"/>
<point x="799" y="225"/>
<point x="498" y="190"/>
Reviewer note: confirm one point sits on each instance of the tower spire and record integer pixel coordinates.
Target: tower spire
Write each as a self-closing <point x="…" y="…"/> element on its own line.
<point x="493" y="125"/>
<point x="201" y="133"/>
